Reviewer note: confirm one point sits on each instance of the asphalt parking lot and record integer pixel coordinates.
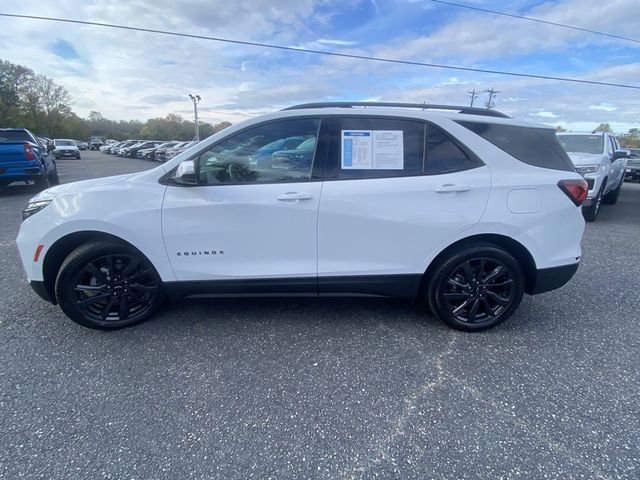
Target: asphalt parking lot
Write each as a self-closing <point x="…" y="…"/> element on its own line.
<point x="326" y="388"/>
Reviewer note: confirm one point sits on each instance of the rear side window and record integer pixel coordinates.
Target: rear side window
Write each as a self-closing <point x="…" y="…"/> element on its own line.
<point x="444" y="155"/>
<point x="534" y="146"/>
<point x="375" y="147"/>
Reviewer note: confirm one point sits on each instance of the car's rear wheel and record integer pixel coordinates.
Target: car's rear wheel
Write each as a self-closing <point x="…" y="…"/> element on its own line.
<point x="105" y="285"/>
<point x="476" y="288"/>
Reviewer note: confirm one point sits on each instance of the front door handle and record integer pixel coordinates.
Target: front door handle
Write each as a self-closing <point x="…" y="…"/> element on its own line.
<point x="451" y="188"/>
<point x="294" y="197"/>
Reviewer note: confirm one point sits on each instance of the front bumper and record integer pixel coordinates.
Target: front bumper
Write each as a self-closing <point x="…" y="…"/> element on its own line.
<point x="40" y="289"/>
<point x="547" y="279"/>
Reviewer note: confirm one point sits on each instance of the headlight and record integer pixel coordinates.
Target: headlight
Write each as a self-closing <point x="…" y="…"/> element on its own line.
<point x="34" y="207"/>
<point x="584" y="169"/>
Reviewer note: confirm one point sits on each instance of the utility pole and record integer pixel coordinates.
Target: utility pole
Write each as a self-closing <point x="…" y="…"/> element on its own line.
<point x="473" y="94"/>
<point x="195" y="99"/>
<point x="492" y="93"/>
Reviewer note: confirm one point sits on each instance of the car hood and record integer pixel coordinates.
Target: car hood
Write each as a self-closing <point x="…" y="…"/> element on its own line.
<point x="585" y="158"/>
<point x="82" y="186"/>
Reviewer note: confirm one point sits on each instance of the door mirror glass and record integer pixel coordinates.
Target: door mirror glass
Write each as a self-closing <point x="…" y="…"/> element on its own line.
<point x="186" y="173"/>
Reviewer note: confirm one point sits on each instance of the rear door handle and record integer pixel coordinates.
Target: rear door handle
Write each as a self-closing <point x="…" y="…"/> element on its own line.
<point x="450" y="188"/>
<point x="294" y="197"/>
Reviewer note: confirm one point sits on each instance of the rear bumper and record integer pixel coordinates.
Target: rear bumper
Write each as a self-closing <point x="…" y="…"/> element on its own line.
<point x="14" y="174"/>
<point x="547" y="279"/>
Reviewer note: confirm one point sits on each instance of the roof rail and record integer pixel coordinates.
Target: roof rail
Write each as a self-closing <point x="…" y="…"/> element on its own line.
<point x="422" y="106"/>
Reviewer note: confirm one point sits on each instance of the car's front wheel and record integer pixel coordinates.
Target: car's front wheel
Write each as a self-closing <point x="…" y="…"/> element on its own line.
<point x="611" y="198"/>
<point x="590" y="213"/>
<point x="476" y="288"/>
<point x="106" y="285"/>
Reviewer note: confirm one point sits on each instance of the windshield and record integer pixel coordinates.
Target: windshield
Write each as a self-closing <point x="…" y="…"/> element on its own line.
<point x="64" y="143"/>
<point x="582" y="143"/>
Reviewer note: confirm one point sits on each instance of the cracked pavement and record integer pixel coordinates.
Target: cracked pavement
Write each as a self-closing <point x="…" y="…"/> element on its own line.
<point x="327" y="388"/>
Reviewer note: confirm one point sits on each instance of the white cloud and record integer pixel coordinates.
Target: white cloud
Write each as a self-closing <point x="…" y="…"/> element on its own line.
<point x="607" y="107"/>
<point x="141" y="75"/>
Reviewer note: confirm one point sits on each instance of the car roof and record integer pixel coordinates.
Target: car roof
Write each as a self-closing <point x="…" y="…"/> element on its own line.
<point x="397" y="112"/>
<point x="582" y="133"/>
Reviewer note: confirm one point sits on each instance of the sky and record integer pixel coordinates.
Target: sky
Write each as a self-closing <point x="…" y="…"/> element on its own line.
<point x="135" y="75"/>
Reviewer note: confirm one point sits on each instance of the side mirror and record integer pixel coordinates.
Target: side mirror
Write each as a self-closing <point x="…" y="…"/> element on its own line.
<point x="186" y="173"/>
<point x="50" y="147"/>
<point x="620" y="154"/>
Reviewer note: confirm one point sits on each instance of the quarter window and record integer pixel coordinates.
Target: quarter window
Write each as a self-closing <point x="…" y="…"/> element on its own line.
<point x="534" y="146"/>
<point x="282" y="151"/>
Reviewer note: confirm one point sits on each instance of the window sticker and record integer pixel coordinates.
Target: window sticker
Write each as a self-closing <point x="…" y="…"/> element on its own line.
<point x="372" y="149"/>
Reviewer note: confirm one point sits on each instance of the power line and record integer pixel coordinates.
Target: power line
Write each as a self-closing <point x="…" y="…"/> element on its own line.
<point x="546" y="22"/>
<point x="321" y="52"/>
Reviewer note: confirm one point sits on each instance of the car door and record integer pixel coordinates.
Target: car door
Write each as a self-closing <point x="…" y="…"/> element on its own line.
<point x="617" y="166"/>
<point x="243" y="222"/>
<point x="387" y="204"/>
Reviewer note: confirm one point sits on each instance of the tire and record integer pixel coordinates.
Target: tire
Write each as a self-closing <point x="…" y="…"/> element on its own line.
<point x="475" y="288"/>
<point x="590" y="213"/>
<point x="611" y="198"/>
<point x="78" y="157"/>
<point x="106" y="285"/>
<point x="54" y="179"/>
<point x="41" y="183"/>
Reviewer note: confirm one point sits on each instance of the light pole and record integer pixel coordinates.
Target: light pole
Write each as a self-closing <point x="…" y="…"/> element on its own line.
<point x="195" y="99"/>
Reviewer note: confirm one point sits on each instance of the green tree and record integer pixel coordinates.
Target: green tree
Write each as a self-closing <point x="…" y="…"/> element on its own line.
<point x="36" y="102"/>
<point x="603" y="127"/>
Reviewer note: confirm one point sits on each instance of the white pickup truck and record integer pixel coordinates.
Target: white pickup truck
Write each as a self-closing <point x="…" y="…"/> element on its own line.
<point x="600" y="160"/>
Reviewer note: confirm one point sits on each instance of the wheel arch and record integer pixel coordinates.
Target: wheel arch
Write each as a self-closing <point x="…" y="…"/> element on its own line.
<point x="513" y="247"/>
<point x="61" y="249"/>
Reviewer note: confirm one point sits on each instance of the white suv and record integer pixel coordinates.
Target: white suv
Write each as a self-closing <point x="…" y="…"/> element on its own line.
<point x="464" y="209"/>
<point x="599" y="159"/>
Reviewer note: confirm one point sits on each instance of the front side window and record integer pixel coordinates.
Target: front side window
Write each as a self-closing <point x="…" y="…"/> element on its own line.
<point x="281" y="151"/>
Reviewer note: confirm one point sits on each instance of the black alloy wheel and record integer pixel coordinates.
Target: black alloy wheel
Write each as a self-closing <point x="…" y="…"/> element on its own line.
<point x="476" y="288"/>
<point x="479" y="290"/>
<point x="108" y="287"/>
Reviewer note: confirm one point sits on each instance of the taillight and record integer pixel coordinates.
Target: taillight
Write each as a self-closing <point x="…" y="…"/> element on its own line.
<point x="28" y="151"/>
<point x="576" y="190"/>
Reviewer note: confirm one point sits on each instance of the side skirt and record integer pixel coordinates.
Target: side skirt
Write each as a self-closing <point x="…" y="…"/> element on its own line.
<point x="404" y="286"/>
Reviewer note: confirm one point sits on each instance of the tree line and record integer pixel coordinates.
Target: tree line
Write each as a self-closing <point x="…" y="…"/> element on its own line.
<point x="34" y="101"/>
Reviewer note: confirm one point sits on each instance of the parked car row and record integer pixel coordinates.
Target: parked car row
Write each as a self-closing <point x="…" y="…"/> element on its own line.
<point x="157" y="150"/>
